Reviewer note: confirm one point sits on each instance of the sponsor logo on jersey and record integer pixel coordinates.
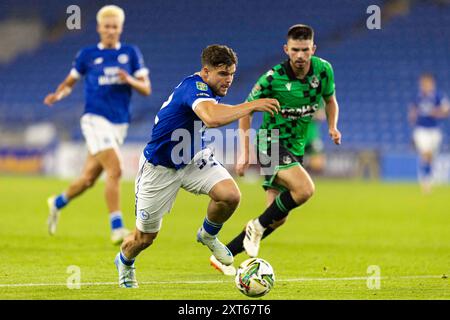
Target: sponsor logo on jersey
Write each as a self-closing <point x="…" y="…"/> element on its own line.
<point x="201" y="86"/>
<point x="314" y="81"/>
<point x="288" y="86"/>
<point x="296" y="113"/>
<point x="203" y="94"/>
<point x="99" y="60"/>
<point x="111" y="76"/>
<point x="123" y="58"/>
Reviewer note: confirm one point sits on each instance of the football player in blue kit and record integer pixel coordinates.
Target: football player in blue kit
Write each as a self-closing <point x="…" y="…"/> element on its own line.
<point x="111" y="70"/>
<point x="170" y="160"/>
<point x="429" y="108"/>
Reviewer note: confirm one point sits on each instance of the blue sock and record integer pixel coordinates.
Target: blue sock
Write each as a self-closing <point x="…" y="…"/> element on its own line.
<point x="61" y="201"/>
<point x="116" y="220"/>
<point x="125" y="260"/>
<point x="212" y="228"/>
<point x="426" y="169"/>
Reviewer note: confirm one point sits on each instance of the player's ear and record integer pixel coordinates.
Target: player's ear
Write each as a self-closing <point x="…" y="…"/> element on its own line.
<point x="206" y="70"/>
<point x="314" y="49"/>
<point x="285" y="48"/>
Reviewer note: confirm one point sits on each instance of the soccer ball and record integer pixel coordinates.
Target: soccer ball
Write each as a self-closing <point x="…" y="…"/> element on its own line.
<point x="255" y="277"/>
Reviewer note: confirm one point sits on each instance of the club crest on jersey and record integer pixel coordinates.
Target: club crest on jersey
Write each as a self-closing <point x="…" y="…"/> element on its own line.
<point x="256" y="88"/>
<point x="123" y="58"/>
<point x="99" y="60"/>
<point x="289" y="86"/>
<point x="201" y="86"/>
<point x="144" y="215"/>
<point x="314" y="81"/>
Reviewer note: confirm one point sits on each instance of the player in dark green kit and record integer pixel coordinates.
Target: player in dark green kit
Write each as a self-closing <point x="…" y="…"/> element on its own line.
<point x="299" y="84"/>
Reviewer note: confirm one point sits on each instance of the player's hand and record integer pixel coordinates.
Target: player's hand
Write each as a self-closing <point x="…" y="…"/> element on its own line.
<point x="335" y="135"/>
<point x="266" y="105"/>
<point x="124" y="76"/>
<point x="242" y="164"/>
<point x="50" y="99"/>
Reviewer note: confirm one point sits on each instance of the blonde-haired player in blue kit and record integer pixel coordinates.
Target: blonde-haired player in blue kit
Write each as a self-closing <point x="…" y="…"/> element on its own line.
<point x="428" y="109"/>
<point x="111" y="70"/>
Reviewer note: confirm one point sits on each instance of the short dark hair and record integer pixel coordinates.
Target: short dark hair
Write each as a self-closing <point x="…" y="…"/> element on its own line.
<point x="216" y="55"/>
<point x="300" y="32"/>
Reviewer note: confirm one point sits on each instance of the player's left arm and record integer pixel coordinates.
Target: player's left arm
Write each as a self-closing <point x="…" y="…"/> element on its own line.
<point x="444" y="108"/>
<point x="141" y="84"/>
<point x="140" y="80"/>
<point x="332" y="111"/>
<point x="331" y="105"/>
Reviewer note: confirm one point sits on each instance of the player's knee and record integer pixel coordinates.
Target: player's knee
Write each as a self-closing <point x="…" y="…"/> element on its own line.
<point x="233" y="199"/>
<point x="88" y="181"/>
<point x="427" y="157"/>
<point x="303" y="193"/>
<point x="308" y="191"/>
<point x="114" y="173"/>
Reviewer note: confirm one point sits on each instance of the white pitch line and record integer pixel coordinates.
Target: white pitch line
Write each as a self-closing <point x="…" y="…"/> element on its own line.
<point x="12" y="285"/>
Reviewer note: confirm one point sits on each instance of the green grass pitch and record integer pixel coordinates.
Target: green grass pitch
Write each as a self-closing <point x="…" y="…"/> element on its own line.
<point x="323" y="251"/>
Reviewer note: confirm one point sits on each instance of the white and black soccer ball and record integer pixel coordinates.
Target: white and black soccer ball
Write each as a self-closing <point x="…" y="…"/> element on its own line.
<point x="255" y="277"/>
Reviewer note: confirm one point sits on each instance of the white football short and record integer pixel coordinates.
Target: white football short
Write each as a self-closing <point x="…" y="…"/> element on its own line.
<point x="101" y="134"/>
<point x="156" y="187"/>
<point x="427" y="139"/>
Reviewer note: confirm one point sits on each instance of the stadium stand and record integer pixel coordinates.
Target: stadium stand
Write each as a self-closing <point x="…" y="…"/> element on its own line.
<point x="376" y="70"/>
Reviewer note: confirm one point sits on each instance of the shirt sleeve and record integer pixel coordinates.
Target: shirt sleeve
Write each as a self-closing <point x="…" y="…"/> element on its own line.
<point x="329" y="88"/>
<point x="138" y="67"/>
<point x="197" y="92"/>
<point x="79" y="65"/>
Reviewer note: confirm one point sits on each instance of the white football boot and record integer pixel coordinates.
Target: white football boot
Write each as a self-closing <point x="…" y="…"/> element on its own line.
<point x="218" y="249"/>
<point x="53" y="215"/>
<point x="253" y="235"/>
<point x="118" y="235"/>
<point x="226" y="270"/>
<point x="127" y="274"/>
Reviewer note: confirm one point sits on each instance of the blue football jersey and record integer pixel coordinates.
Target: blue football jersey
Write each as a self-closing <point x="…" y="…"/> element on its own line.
<point x="425" y="105"/>
<point x="178" y="132"/>
<point x="105" y="94"/>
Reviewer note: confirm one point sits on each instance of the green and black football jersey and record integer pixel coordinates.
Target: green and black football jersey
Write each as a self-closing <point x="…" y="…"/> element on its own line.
<point x="299" y="99"/>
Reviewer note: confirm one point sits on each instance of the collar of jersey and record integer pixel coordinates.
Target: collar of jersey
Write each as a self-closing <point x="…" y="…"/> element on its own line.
<point x="291" y="75"/>
<point x="102" y="47"/>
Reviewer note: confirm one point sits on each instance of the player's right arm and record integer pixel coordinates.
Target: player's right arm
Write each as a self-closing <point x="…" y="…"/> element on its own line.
<point x="243" y="161"/>
<point x="63" y="90"/>
<point x="79" y="68"/>
<point x="412" y="114"/>
<point x="216" y="115"/>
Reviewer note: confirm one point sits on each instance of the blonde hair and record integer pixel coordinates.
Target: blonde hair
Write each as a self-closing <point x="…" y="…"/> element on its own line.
<point x="111" y="11"/>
